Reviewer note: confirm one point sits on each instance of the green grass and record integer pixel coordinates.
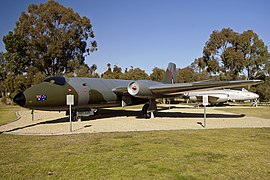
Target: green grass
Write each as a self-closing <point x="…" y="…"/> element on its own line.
<point x="7" y="113"/>
<point x="261" y="112"/>
<point x="186" y="154"/>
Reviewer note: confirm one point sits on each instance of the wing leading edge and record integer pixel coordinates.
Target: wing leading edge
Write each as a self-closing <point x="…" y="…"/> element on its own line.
<point x="178" y="89"/>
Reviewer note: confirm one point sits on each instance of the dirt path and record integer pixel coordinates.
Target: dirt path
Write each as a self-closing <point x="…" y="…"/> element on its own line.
<point x="179" y="117"/>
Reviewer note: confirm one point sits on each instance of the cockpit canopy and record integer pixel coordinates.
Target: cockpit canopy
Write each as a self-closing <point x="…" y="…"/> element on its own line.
<point x="58" y="80"/>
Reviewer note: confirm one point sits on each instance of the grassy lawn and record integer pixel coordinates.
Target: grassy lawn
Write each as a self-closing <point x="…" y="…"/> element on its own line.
<point x="7" y="113"/>
<point x="262" y="112"/>
<point x="186" y="154"/>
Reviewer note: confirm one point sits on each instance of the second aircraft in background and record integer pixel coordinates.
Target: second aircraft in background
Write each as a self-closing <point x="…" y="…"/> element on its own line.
<point x="222" y="96"/>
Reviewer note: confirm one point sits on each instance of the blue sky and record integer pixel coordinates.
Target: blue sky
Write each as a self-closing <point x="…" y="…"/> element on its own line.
<point x="151" y="33"/>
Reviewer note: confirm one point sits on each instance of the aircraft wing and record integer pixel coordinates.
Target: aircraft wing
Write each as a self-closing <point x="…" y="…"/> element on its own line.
<point x="180" y="88"/>
<point x="150" y="89"/>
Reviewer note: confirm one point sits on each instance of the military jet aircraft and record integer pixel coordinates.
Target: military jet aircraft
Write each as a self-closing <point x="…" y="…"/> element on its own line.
<point x="222" y="95"/>
<point x="93" y="93"/>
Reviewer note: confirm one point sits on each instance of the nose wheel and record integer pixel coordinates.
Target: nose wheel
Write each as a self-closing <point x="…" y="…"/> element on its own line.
<point x="255" y="103"/>
<point x="78" y="115"/>
<point x="77" y="118"/>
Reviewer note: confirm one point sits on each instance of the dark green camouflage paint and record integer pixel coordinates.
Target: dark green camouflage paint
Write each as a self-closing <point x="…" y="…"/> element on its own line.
<point x="95" y="97"/>
<point x="56" y="96"/>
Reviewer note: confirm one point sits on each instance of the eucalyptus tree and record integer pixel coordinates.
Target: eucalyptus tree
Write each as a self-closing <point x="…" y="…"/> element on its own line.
<point x="50" y="37"/>
<point x="230" y="54"/>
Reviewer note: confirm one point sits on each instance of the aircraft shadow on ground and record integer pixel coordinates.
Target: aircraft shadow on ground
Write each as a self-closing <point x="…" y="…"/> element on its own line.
<point x="108" y="113"/>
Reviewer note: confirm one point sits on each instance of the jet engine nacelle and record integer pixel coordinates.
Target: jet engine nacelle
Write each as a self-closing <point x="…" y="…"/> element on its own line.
<point x="139" y="89"/>
<point x="222" y="98"/>
<point x="194" y="98"/>
<point x="212" y="98"/>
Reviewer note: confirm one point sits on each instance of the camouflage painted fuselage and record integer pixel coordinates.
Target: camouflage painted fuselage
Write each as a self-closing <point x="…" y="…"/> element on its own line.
<point x="88" y="93"/>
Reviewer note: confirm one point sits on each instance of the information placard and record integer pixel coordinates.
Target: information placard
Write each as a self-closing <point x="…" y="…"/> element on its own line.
<point x="205" y="100"/>
<point x="70" y="99"/>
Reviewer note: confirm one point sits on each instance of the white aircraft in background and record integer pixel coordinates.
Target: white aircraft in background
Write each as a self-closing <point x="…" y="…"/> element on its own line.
<point x="222" y="96"/>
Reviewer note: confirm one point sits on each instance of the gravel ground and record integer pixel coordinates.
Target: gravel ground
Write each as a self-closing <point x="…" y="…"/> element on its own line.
<point x="178" y="117"/>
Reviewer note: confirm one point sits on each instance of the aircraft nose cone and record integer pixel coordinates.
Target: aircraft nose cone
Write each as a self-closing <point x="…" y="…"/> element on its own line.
<point x="19" y="99"/>
<point x="254" y="96"/>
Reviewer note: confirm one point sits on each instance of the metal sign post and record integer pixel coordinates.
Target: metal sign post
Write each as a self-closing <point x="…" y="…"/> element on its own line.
<point x="70" y="102"/>
<point x="205" y="103"/>
<point x="204" y="117"/>
<point x="32" y="113"/>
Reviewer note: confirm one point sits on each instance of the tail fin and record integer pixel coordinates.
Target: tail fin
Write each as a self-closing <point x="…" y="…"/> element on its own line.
<point x="170" y="74"/>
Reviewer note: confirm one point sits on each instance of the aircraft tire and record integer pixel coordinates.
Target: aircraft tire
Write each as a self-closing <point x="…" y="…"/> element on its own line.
<point x="96" y="112"/>
<point x="144" y="110"/>
<point x="79" y="118"/>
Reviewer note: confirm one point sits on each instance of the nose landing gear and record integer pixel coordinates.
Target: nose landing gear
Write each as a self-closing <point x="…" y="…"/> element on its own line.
<point x="78" y="115"/>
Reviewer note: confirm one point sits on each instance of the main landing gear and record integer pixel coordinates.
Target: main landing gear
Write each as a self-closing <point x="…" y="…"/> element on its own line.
<point x="149" y="109"/>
